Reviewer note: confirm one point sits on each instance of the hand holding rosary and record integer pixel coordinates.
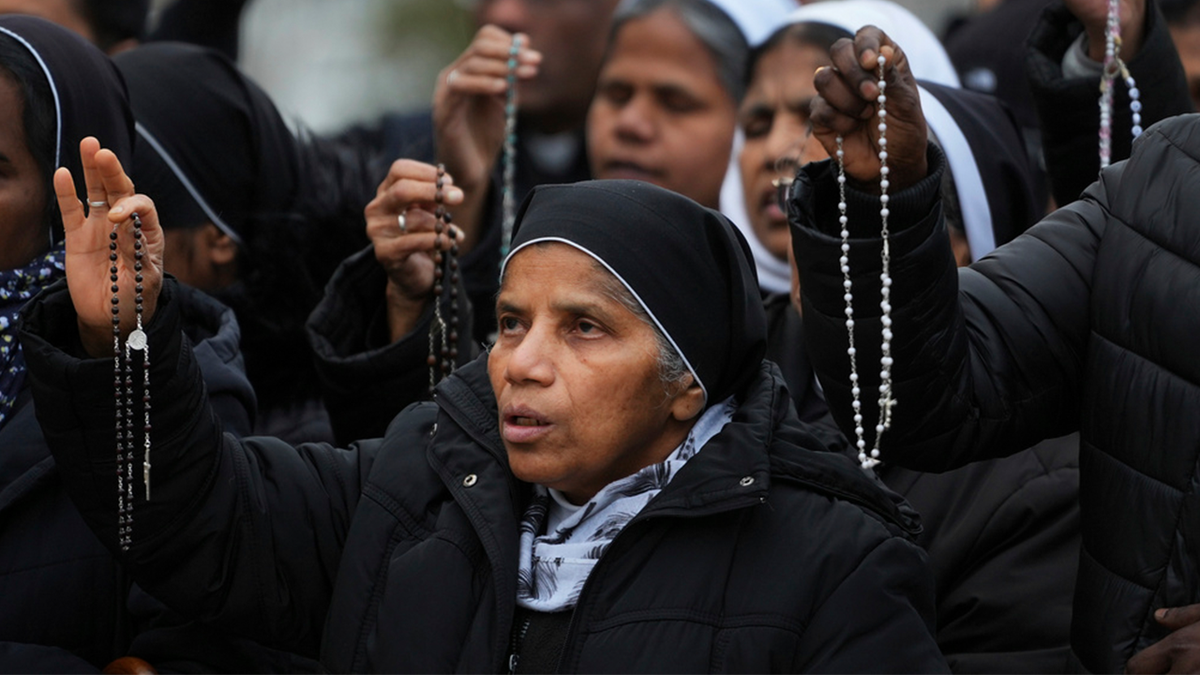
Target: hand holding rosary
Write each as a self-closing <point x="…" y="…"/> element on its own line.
<point x="113" y="255"/>
<point x="852" y="117"/>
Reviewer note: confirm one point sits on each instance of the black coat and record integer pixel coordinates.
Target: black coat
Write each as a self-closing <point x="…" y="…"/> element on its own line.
<point x="64" y="596"/>
<point x="1087" y="322"/>
<point x="400" y="553"/>
<point x="1002" y="535"/>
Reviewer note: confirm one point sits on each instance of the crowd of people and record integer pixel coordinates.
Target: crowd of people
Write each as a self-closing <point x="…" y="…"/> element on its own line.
<point x="385" y="400"/>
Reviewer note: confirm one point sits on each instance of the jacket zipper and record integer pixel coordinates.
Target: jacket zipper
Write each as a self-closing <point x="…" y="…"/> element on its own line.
<point x="514" y="654"/>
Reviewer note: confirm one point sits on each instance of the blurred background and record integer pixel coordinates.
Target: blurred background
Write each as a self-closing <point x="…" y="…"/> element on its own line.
<point x="331" y="63"/>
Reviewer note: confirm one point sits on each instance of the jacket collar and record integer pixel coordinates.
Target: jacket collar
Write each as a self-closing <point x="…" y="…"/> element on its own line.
<point x="734" y="465"/>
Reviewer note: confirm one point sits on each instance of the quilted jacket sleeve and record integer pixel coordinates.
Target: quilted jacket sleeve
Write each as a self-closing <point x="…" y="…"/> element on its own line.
<point x="988" y="360"/>
<point x="843" y="637"/>
<point x="247" y="533"/>
<point x="366" y="379"/>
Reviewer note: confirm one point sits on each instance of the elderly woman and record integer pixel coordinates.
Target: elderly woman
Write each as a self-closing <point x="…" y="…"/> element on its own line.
<point x="619" y="485"/>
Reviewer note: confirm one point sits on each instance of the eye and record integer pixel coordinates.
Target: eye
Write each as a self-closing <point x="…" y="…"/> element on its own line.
<point x="756" y="126"/>
<point x="589" y="329"/>
<point x="680" y="102"/>
<point x="508" y="325"/>
<point x="616" y="93"/>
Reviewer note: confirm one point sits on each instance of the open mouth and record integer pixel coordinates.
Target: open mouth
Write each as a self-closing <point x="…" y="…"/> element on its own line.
<point x="525" y="421"/>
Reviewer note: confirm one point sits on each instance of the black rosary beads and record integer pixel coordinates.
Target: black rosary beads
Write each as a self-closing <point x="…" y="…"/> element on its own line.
<point x="123" y="385"/>
<point x="443" y="338"/>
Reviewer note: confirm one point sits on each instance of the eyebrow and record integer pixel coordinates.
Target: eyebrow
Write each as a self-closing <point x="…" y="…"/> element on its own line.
<point x="670" y="89"/>
<point x="803" y="105"/>
<point x="755" y="111"/>
<point x="583" y="309"/>
<point x="566" y="307"/>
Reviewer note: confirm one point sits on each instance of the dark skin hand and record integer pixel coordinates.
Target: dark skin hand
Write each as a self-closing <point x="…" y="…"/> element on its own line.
<point x="1093" y="14"/>
<point x="847" y="105"/>
<point x="1179" y="652"/>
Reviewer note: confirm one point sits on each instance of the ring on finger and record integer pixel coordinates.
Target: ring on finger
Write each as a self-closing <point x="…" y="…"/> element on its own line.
<point x="452" y="76"/>
<point x="97" y="203"/>
<point x="403" y="224"/>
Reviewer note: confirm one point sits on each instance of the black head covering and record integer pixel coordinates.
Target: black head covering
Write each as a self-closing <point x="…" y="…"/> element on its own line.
<point x="212" y="145"/>
<point x="115" y="20"/>
<point x="687" y="265"/>
<point x="89" y="94"/>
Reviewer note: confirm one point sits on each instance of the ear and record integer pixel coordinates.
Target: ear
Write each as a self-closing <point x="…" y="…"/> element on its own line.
<point x="960" y="246"/>
<point x="688" y="403"/>
<point x="217" y="247"/>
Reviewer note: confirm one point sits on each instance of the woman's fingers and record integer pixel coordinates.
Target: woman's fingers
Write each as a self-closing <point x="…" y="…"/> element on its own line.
<point x="97" y="196"/>
<point x="419" y="172"/>
<point x="117" y="184"/>
<point x="398" y="249"/>
<point x="68" y="203"/>
<point x="405" y="193"/>
<point x="124" y="208"/>
<point x="483" y="67"/>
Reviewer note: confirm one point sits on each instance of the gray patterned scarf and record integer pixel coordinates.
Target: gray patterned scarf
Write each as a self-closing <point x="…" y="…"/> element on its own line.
<point x="554" y="566"/>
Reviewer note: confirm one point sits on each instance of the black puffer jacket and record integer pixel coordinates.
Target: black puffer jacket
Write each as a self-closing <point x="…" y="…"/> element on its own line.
<point x="1088" y="322"/>
<point x="761" y="555"/>
<point x="63" y="596"/>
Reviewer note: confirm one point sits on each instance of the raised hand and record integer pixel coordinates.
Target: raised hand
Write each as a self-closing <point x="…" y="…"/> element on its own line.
<point x="846" y="105"/>
<point x="408" y="195"/>
<point x="1093" y="14"/>
<point x="1179" y="652"/>
<point x="112" y="201"/>
<point x="468" y="115"/>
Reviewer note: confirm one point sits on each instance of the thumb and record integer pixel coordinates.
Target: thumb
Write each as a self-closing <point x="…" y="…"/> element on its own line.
<point x="1174" y="618"/>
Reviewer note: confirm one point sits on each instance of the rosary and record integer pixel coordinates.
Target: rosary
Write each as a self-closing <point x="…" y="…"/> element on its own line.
<point x="1113" y="66"/>
<point x="443" y="341"/>
<point x="886" y="401"/>
<point x="123" y="384"/>
<point x="508" y="195"/>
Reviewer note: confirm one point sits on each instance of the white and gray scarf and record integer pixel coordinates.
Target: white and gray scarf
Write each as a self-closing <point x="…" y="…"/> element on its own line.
<point x="554" y="566"/>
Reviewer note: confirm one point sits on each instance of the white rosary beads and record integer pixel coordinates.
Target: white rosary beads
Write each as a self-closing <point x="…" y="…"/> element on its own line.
<point x="886" y="401"/>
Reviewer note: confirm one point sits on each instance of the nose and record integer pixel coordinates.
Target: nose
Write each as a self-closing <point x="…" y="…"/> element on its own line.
<point x="511" y="15"/>
<point x="635" y="120"/>
<point x="785" y="146"/>
<point x="530" y="361"/>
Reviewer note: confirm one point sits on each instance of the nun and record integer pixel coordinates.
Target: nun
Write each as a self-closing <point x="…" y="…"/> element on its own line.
<point x="1003" y="535"/>
<point x="619" y="485"/>
<point x="254" y="214"/>
<point x="64" y="596"/>
<point x="666" y="101"/>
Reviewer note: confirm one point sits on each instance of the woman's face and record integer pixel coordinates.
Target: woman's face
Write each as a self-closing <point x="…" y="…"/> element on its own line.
<point x="23" y="192"/>
<point x="576" y="377"/>
<point x="660" y="114"/>
<point x="774" y="118"/>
